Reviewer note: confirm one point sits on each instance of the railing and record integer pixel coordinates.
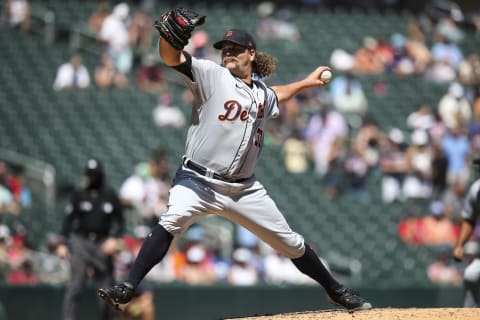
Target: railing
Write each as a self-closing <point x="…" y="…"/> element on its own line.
<point x="37" y="171"/>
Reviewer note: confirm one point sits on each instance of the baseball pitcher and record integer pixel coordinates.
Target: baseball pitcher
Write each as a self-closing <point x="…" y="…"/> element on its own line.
<point x="225" y="138"/>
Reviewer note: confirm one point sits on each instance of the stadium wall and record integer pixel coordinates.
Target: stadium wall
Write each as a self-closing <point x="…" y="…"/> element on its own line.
<point x="218" y="302"/>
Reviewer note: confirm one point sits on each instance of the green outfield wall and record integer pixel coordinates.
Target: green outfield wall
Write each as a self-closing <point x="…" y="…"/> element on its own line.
<point x="179" y="302"/>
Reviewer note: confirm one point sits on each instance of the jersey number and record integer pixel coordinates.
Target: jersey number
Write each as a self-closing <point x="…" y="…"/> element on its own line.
<point x="258" y="137"/>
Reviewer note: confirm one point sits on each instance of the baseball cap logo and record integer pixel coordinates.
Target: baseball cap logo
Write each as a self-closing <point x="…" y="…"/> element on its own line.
<point x="228" y="34"/>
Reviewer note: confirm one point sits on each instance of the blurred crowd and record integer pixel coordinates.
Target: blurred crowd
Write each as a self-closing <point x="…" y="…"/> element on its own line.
<point x="328" y="131"/>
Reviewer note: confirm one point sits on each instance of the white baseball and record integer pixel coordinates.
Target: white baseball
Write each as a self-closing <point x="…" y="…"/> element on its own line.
<point x="326" y="76"/>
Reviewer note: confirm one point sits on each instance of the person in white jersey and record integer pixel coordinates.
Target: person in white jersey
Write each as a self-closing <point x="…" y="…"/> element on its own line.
<point x="225" y="138"/>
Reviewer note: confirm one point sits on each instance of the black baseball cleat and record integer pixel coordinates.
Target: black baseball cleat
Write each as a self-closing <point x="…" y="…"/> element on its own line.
<point x="117" y="295"/>
<point x="348" y="299"/>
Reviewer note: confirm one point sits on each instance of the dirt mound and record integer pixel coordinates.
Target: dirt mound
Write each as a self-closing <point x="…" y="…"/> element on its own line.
<point x="377" y="314"/>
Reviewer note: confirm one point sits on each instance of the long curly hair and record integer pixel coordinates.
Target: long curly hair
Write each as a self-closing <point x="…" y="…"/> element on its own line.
<point x="264" y="64"/>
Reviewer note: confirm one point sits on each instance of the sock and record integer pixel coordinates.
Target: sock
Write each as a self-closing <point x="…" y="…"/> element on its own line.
<point x="153" y="249"/>
<point x="311" y="265"/>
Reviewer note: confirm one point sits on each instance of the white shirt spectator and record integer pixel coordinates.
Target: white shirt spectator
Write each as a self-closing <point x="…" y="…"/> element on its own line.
<point x="143" y="192"/>
<point x="18" y="11"/>
<point x="114" y="32"/>
<point x="454" y="107"/>
<point x="114" y="28"/>
<point x="72" y="74"/>
<point x="166" y="114"/>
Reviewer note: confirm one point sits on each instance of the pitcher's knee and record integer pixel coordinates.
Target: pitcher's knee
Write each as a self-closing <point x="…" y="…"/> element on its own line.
<point x="292" y="247"/>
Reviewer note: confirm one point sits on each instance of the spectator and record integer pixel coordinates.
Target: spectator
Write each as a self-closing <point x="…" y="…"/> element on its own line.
<point x="420" y="159"/>
<point x="49" y="267"/>
<point x="295" y="151"/>
<point x="446" y="57"/>
<point x="198" y="46"/>
<point x="384" y="51"/>
<point x="199" y="269"/>
<point x="150" y="77"/>
<point x="453" y="199"/>
<point x="473" y="130"/>
<point x="18" y="250"/>
<point x="114" y="32"/>
<point x="72" y="75"/>
<point x="457" y="150"/>
<point x="440" y="71"/>
<point x="279" y="270"/>
<point x="97" y="17"/>
<point x="439" y="171"/>
<point x="475" y="18"/>
<point x="5" y="242"/>
<point x="23" y="275"/>
<point x="369" y="141"/>
<point x="276" y="25"/>
<point x="342" y="60"/>
<point x="448" y="28"/>
<point x="469" y="70"/>
<point x="410" y="228"/>
<point x="108" y="76"/>
<point x="18" y="14"/>
<point x="402" y="63"/>
<point x="140" y="30"/>
<point x="291" y="120"/>
<point x="146" y="191"/>
<point x="441" y="272"/>
<point x="356" y="174"/>
<point x="419" y="53"/>
<point x="167" y="114"/>
<point x="349" y="98"/>
<point x="335" y="176"/>
<point x="366" y="61"/>
<point x="394" y="167"/>
<point x="438" y="229"/>
<point x="322" y="131"/>
<point x="8" y="203"/>
<point x="422" y="118"/>
<point x="454" y="108"/>
<point x="438" y="129"/>
<point x="242" y="273"/>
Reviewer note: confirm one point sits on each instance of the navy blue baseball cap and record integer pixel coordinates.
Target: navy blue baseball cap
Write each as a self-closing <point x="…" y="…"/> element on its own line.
<point x="237" y="36"/>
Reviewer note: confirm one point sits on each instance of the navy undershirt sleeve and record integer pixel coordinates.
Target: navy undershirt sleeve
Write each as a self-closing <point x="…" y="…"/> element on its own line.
<point x="186" y="67"/>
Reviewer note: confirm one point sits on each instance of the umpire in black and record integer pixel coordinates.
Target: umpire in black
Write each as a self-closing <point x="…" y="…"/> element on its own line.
<point x="93" y="226"/>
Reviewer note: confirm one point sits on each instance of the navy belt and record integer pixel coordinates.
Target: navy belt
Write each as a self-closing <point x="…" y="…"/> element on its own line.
<point x="201" y="170"/>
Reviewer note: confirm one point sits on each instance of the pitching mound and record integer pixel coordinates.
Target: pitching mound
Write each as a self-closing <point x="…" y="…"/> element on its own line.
<point x="383" y="314"/>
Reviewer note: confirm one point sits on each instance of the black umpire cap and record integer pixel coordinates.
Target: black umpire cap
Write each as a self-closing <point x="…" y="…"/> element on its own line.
<point x="237" y="36"/>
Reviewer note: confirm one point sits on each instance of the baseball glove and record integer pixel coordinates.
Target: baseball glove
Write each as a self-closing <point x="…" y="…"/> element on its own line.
<point x="176" y="26"/>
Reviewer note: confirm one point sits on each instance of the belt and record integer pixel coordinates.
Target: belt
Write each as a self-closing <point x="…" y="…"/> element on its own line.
<point x="201" y="170"/>
<point x="92" y="236"/>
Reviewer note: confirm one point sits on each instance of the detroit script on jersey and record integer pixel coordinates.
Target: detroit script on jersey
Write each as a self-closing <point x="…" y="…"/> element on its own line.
<point x="228" y="120"/>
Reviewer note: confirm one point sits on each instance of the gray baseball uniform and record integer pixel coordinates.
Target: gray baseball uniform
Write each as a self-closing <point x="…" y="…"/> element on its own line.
<point x="471" y="208"/>
<point x="223" y="146"/>
<point x="471" y="275"/>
